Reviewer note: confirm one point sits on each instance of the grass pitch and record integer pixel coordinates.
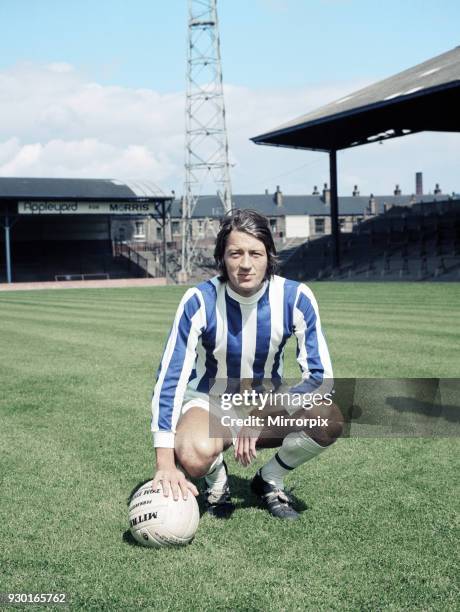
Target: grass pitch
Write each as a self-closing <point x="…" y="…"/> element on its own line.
<point x="378" y="530"/>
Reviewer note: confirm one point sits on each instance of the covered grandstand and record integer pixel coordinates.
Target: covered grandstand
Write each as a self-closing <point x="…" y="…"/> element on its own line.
<point x="416" y="243"/>
<point x="384" y="237"/>
<point x="69" y="229"/>
<point x="424" y="97"/>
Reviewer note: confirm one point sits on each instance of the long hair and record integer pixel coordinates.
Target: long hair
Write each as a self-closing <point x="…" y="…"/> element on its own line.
<point x="253" y="223"/>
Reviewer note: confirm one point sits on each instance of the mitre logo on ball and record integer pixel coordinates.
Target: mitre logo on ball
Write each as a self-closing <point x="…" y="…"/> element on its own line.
<point x="156" y="520"/>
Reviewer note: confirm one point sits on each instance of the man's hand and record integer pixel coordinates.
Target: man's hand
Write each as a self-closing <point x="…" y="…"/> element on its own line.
<point x="174" y="480"/>
<point x="170" y="477"/>
<point x="245" y="445"/>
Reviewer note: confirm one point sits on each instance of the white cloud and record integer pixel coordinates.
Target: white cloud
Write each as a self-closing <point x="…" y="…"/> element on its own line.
<point x="55" y="123"/>
<point x="83" y="158"/>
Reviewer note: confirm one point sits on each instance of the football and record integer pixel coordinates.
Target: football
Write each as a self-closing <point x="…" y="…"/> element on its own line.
<point x="156" y="520"/>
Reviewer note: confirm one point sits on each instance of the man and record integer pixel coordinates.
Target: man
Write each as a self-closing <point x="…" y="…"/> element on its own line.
<point x="235" y="326"/>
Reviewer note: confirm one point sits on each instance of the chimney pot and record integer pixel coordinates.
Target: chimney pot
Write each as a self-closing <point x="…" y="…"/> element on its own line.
<point x="372" y="205"/>
<point x="419" y="183"/>
<point x="326" y="195"/>
<point x="278" y="196"/>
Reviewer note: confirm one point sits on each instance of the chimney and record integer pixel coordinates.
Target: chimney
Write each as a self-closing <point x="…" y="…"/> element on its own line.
<point x="326" y="197"/>
<point x="437" y="189"/>
<point x="397" y="191"/>
<point x="418" y="183"/>
<point x="372" y="205"/>
<point x="355" y="191"/>
<point x="315" y="190"/>
<point x="278" y="197"/>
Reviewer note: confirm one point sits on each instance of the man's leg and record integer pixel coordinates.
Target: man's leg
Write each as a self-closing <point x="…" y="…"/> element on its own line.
<point x="202" y="456"/>
<point x="297" y="447"/>
<point x="194" y="449"/>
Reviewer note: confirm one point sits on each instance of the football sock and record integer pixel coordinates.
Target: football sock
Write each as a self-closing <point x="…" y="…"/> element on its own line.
<point x="297" y="448"/>
<point x="216" y="478"/>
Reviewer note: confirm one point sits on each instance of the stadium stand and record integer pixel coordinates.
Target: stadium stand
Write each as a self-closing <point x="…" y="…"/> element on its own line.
<point x="55" y="247"/>
<point x="55" y="229"/>
<point x="424" y="97"/>
<point x="392" y="237"/>
<point x="417" y="243"/>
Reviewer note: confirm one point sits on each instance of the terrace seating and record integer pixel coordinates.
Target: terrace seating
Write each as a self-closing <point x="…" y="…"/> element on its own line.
<point x="405" y="244"/>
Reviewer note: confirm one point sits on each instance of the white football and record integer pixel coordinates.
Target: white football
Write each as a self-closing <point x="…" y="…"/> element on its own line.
<point x="156" y="520"/>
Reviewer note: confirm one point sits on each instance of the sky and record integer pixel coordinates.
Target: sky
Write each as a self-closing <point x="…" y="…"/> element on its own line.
<point x="97" y="89"/>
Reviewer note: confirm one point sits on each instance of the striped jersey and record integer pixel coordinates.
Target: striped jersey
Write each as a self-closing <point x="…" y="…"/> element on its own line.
<point x="220" y="334"/>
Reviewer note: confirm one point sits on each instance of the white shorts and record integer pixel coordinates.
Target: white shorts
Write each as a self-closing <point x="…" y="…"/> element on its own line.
<point x="200" y="402"/>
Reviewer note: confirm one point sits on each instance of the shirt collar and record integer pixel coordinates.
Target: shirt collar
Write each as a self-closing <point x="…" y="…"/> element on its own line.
<point x="252" y="299"/>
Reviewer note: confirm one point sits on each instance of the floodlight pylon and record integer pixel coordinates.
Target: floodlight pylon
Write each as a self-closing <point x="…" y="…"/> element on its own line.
<point x="206" y="144"/>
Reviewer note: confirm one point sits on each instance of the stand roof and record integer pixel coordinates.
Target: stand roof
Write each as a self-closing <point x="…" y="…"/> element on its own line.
<point x="425" y="97"/>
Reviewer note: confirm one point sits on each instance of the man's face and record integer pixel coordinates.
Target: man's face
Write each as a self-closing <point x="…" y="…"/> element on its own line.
<point x="246" y="261"/>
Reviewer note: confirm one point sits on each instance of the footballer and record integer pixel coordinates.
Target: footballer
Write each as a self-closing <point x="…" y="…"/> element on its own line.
<point x="235" y="326"/>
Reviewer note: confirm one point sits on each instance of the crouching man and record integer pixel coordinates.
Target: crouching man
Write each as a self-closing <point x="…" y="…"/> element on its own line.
<point x="235" y="326"/>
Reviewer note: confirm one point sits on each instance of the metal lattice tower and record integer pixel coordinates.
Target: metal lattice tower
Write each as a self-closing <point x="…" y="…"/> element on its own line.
<point x="206" y="147"/>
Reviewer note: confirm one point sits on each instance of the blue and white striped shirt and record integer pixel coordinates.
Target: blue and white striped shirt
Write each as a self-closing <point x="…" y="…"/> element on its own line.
<point x="219" y="334"/>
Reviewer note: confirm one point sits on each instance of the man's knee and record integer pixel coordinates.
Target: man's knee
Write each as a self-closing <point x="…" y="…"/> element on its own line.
<point x="335" y="422"/>
<point x="329" y="427"/>
<point x="196" y="455"/>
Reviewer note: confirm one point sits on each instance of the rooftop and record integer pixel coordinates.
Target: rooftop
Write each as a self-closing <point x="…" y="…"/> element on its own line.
<point x="211" y="206"/>
<point x="79" y="189"/>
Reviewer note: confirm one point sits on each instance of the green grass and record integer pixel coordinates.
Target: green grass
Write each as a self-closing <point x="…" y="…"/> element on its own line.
<point x="378" y="530"/>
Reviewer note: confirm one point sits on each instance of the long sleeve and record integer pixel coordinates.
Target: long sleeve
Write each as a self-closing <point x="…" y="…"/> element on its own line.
<point x="176" y="366"/>
<point x="312" y="352"/>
